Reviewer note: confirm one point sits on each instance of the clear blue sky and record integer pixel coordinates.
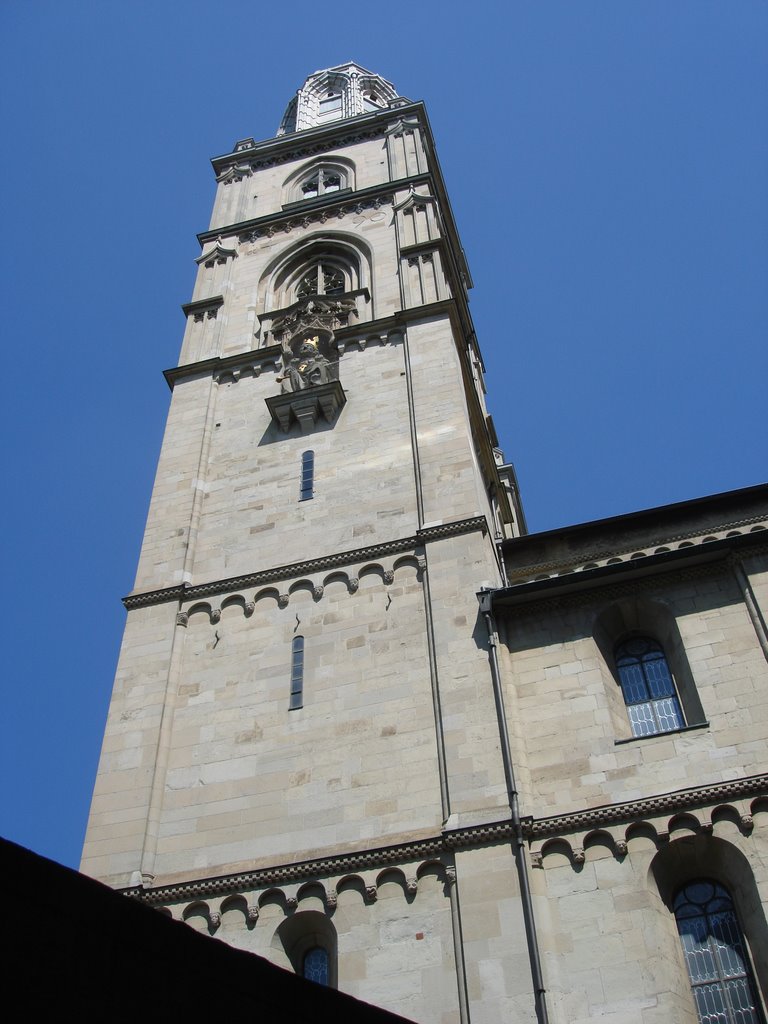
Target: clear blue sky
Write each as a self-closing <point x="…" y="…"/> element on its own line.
<point x="608" y="167"/>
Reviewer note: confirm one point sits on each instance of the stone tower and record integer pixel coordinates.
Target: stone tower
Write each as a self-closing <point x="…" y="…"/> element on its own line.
<point x="322" y="747"/>
<point x="301" y="753"/>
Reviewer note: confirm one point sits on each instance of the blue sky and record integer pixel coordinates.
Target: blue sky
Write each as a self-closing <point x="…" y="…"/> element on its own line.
<point x="608" y="168"/>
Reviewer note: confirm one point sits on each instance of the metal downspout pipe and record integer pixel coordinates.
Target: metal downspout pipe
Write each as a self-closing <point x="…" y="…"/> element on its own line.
<point x="485" y="598"/>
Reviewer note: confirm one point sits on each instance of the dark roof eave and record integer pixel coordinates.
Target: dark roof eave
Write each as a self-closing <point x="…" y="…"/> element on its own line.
<point x="634" y="568"/>
<point x="638" y="515"/>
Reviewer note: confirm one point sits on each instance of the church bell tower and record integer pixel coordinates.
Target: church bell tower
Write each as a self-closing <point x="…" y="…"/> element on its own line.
<point x="301" y="752"/>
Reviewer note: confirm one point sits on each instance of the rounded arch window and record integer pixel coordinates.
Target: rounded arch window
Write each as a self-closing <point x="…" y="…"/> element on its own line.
<point x="647" y="687"/>
<point x="308" y="939"/>
<point x="644" y="652"/>
<point x="715" y="954"/>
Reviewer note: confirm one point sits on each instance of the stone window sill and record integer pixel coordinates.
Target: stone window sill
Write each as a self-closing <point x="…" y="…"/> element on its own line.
<point x="660" y="735"/>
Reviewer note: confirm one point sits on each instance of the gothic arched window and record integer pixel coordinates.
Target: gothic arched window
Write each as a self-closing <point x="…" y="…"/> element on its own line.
<point x="315" y="965"/>
<point x="323" y="268"/>
<point x="648" y="687"/>
<point x="715" y="955"/>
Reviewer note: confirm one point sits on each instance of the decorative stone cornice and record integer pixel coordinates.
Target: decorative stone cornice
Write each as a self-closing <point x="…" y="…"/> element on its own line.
<point x="186" y="592"/>
<point x="383" y="330"/>
<point x="632" y="810"/>
<point x="316" y="141"/>
<point x="451" y="840"/>
<point x="333" y="206"/>
<point x="328" y="212"/>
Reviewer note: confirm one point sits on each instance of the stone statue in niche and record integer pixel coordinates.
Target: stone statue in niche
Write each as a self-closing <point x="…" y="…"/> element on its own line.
<point x="307" y="367"/>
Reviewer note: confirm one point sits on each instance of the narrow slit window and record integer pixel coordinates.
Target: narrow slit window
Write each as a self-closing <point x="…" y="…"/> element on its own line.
<point x="297" y="673"/>
<point x="307" y="488"/>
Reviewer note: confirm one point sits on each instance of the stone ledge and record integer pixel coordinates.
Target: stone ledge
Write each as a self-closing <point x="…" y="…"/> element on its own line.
<point x="307" y="406"/>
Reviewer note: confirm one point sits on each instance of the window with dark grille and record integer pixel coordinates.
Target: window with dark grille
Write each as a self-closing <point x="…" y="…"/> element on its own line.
<point x="297" y="673"/>
<point x="648" y="687"/>
<point x="715" y="955"/>
<point x="307" y="486"/>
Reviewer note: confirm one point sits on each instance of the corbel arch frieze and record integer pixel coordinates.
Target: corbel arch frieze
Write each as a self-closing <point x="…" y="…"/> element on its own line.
<point x="249" y="603"/>
<point x="725" y="819"/>
<point x="247" y="906"/>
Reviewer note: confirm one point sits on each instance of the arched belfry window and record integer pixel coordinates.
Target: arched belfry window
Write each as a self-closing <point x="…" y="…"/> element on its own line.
<point x="319" y="178"/>
<point x="648" y="687"/>
<point x="715" y="955"/>
<point x="322" y="181"/>
<point x="324" y="267"/>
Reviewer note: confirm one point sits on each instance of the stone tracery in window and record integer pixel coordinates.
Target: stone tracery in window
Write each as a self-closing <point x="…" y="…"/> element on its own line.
<point x="319" y="178"/>
<point x="323" y="181"/>
<point x="324" y="278"/>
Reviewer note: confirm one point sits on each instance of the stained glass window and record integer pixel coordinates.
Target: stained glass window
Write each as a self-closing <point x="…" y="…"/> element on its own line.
<point x="715" y="955"/>
<point x="316" y="965"/>
<point x="648" y="688"/>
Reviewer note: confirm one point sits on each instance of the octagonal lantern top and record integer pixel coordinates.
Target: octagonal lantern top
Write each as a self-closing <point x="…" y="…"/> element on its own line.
<point x="336" y="94"/>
